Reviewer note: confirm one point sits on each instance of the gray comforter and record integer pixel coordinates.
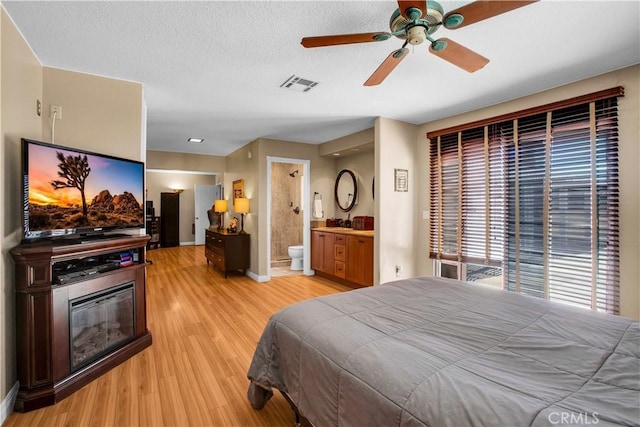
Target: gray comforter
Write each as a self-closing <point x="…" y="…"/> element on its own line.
<point x="437" y="352"/>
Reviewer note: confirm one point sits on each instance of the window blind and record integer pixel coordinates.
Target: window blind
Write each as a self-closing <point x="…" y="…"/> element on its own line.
<point x="537" y="195"/>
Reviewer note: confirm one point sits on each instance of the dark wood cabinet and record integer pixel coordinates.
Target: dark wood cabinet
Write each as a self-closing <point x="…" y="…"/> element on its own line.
<point x="344" y="256"/>
<point x="50" y="278"/>
<point x="228" y="251"/>
<point x="169" y="219"/>
<point x="322" y="251"/>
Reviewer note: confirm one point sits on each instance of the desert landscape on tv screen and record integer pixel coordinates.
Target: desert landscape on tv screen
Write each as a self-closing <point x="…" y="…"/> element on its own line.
<point x="74" y="190"/>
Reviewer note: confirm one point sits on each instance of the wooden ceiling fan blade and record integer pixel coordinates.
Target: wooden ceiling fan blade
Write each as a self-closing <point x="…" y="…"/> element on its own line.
<point x="458" y="55"/>
<point x="479" y="11"/>
<point x="339" y="39"/>
<point x="387" y="67"/>
<point x="404" y="6"/>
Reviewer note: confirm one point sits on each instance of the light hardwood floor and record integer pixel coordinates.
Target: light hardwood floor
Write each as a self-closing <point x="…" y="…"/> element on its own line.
<point x="204" y="330"/>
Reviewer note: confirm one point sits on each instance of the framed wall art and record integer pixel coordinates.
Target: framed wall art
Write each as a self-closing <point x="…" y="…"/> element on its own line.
<point x="238" y="188"/>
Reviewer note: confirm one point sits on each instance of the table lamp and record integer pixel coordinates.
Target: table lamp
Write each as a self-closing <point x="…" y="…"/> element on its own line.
<point x="220" y="206"/>
<point x="241" y="206"/>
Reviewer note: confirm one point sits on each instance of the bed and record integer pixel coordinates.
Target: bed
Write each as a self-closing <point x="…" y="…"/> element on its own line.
<point x="438" y="352"/>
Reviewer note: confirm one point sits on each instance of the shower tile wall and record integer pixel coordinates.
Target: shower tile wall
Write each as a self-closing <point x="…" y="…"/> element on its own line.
<point x="286" y="226"/>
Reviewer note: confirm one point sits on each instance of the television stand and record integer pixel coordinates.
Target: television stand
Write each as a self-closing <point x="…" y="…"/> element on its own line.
<point x="56" y="353"/>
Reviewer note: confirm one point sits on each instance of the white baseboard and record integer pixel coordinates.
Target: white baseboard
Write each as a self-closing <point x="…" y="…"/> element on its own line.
<point x="7" y="403"/>
<point x="187" y="243"/>
<point x="258" y="278"/>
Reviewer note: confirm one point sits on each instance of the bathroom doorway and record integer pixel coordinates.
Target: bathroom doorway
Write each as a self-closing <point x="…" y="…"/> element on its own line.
<point x="288" y="216"/>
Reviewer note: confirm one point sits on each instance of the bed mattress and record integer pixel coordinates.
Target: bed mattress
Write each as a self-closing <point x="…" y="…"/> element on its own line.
<point x="438" y="352"/>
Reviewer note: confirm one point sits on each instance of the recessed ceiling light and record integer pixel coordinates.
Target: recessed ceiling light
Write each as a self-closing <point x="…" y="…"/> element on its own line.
<point x="336" y="154"/>
<point x="196" y="140"/>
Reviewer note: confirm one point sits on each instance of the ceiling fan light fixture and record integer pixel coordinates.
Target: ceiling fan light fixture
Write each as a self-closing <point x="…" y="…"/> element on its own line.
<point x="416" y="35"/>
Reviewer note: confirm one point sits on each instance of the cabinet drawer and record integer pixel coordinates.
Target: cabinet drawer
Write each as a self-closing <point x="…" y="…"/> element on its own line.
<point x="339" y="269"/>
<point x="340" y="238"/>
<point x="339" y="252"/>
<point x="218" y="261"/>
<point x="218" y="243"/>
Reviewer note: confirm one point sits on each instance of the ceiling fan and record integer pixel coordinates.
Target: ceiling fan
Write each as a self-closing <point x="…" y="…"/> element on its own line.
<point x="414" y="22"/>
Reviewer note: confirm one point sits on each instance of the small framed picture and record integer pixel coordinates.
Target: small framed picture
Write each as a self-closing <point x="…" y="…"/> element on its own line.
<point x="238" y="188"/>
<point x="401" y="180"/>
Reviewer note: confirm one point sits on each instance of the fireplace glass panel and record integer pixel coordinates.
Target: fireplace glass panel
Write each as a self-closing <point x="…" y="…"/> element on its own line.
<point x="100" y="322"/>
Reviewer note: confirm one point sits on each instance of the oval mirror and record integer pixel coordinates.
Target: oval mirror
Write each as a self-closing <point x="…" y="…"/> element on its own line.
<point x="346" y="190"/>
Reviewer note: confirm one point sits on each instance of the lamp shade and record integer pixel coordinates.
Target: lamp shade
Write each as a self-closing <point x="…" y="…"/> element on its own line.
<point x="220" y="206"/>
<point x="241" y="205"/>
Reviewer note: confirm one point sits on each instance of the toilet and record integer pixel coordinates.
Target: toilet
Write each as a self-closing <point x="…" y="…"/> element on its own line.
<point x="296" y="253"/>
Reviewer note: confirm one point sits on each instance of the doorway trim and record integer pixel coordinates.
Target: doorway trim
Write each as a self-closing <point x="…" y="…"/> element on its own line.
<point x="306" y="218"/>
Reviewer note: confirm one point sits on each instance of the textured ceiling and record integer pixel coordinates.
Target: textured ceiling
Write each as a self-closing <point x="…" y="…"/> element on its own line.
<point x="214" y="69"/>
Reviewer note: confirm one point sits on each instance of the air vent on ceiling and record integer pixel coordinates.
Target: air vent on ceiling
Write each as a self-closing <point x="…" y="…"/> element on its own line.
<point x="299" y="84"/>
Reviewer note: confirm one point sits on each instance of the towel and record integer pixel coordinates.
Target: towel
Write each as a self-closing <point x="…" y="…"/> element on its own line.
<point x="317" y="208"/>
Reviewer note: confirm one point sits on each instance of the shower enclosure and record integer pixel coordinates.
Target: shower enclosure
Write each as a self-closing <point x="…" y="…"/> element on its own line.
<point x="286" y="211"/>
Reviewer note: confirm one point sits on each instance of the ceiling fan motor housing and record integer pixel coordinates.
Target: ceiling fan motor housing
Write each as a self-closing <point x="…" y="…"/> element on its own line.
<point x="415" y="32"/>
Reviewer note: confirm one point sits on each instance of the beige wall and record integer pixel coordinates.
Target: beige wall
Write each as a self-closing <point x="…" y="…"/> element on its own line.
<point x="362" y="166"/>
<point x="159" y="182"/>
<point x="358" y="140"/>
<point x="244" y="164"/>
<point x="395" y="213"/>
<point x="629" y="127"/>
<point x="20" y="87"/>
<point x="98" y="114"/>
<point x="186" y="162"/>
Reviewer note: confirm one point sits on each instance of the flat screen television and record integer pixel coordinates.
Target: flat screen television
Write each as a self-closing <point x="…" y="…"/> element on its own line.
<point x="69" y="192"/>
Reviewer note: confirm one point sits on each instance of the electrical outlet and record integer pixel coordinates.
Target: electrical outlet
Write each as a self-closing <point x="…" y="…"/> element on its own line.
<point x="398" y="269"/>
<point x="57" y="110"/>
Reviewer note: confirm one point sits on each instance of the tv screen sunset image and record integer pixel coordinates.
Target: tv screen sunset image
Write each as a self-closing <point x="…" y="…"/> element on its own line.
<point x="73" y="190"/>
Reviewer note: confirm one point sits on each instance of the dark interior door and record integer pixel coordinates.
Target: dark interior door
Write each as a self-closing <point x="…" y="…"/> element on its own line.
<point x="169" y="219"/>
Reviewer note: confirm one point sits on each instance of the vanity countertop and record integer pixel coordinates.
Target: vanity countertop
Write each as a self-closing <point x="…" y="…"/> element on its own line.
<point x="342" y="230"/>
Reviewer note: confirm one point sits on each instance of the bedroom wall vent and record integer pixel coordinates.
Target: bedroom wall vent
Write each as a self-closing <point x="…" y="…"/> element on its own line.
<point x="299" y="84"/>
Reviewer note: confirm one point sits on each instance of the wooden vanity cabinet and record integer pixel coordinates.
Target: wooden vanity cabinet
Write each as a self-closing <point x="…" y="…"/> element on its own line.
<point x="340" y="255"/>
<point x="322" y="251"/>
<point x="359" y="265"/>
<point x="343" y="257"/>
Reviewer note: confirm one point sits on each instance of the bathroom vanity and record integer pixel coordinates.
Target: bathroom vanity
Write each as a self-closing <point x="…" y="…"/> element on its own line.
<point x="343" y="254"/>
